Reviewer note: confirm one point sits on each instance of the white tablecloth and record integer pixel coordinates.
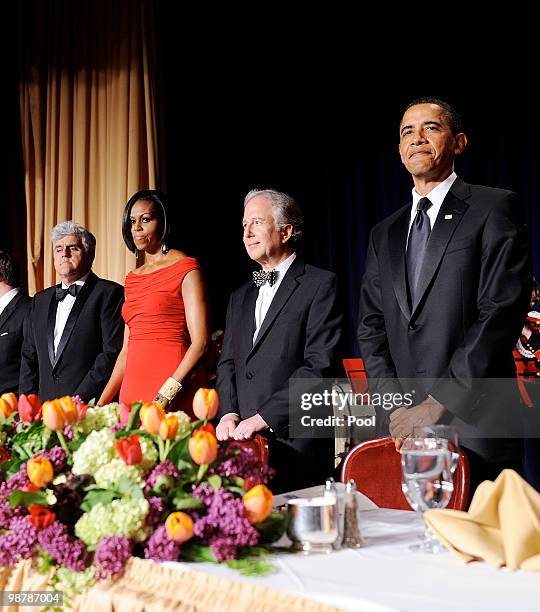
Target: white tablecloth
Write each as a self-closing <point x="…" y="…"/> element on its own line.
<point x="384" y="575"/>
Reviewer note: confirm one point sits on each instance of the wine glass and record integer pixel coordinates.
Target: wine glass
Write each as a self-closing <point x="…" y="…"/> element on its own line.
<point x="427" y="481"/>
<point x="446" y="432"/>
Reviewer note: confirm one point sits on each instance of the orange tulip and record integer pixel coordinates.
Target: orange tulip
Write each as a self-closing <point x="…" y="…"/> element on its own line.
<point x="8" y="404"/>
<point x="179" y="526"/>
<point x="205" y="403"/>
<point x="40" y="471"/>
<point x="69" y="408"/>
<point x="53" y="415"/>
<point x="29" y="407"/>
<point x="258" y="503"/>
<point x="169" y="427"/>
<point x="151" y="416"/>
<point x="206" y="427"/>
<point x="203" y="447"/>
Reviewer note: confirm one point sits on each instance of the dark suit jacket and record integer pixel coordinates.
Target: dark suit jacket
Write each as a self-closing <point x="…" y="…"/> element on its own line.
<point x="472" y="296"/>
<point x="89" y="346"/>
<point x="11" y="338"/>
<point x="298" y="338"/>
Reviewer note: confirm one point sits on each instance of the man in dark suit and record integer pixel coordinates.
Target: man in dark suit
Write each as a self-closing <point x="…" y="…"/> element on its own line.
<point x="445" y="292"/>
<point x="75" y="330"/>
<point x="284" y="324"/>
<point x="14" y="307"/>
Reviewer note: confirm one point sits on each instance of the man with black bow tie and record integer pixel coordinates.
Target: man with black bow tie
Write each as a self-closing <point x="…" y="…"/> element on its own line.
<point x="444" y="295"/>
<point x="14" y="307"/>
<point x="284" y="323"/>
<point x="75" y="330"/>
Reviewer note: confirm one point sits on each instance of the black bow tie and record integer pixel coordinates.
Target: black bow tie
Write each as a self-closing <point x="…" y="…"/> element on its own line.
<point x="61" y="293"/>
<point x="260" y="277"/>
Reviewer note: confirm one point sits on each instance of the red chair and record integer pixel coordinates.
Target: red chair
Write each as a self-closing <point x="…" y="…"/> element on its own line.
<point x="375" y="466"/>
<point x="259" y="444"/>
<point x="356" y="373"/>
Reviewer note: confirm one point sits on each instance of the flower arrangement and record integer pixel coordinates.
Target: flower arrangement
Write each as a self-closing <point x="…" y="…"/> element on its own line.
<point x="85" y="488"/>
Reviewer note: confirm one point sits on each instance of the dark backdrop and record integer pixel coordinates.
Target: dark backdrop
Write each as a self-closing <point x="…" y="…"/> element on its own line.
<point x="318" y="126"/>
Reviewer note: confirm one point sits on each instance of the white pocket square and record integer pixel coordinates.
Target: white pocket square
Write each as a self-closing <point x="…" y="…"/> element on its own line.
<point x="4" y="334"/>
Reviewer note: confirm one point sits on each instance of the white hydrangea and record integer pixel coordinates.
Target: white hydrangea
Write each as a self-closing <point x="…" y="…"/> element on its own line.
<point x="108" y="476"/>
<point x="96" y="451"/>
<point x="149" y="454"/>
<point x="71" y="582"/>
<point x="100" y="417"/>
<point x="122" y="517"/>
<point x="184" y="423"/>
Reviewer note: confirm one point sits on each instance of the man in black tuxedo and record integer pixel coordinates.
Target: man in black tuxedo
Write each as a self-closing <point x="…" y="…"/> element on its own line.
<point x="14" y="307"/>
<point x="445" y="293"/>
<point x="75" y="330"/>
<point x="283" y="324"/>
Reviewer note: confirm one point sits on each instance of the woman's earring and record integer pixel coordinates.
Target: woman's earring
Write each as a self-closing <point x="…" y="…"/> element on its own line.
<point x="164" y="248"/>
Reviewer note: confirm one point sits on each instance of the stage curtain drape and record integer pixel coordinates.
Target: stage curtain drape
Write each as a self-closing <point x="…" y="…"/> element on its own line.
<point x="88" y="123"/>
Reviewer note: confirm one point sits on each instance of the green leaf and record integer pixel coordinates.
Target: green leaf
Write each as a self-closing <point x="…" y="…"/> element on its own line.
<point x="183" y="451"/>
<point x="12" y="466"/>
<point x="27" y="498"/>
<point x="273" y="527"/>
<point x="196" y="552"/>
<point x="186" y="502"/>
<point x="252" y="562"/>
<point x="236" y="480"/>
<point x="214" y="481"/>
<point x="128" y="488"/>
<point x="97" y="496"/>
<point x="134" y="419"/>
<point x="203" y="468"/>
<point x="238" y="490"/>
<point x="44" y="561"/>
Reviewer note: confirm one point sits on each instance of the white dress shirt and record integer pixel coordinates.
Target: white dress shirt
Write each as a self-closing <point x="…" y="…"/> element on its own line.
<point x="267" y="293"/>
<point x="7" y="297"/>
<point x="63" y="309"/>
<point x="436" y="197"/>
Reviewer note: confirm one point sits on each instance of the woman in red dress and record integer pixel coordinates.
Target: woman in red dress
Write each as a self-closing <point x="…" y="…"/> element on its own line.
<point x="166" y="314"/>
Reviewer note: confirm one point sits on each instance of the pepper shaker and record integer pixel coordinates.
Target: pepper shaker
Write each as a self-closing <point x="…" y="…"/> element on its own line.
<point x="351" y="530"/>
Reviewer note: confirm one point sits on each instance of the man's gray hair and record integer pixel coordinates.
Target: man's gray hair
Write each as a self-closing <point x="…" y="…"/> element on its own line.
<point x="67" y="228"/>
<point x="286" y="210"/>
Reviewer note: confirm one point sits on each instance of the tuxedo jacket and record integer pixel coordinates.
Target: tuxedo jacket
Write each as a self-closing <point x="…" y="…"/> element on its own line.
<point x="298" y="338"/>
<point x="88" y="348"/>
<point x="11" y="339"/>
<point x="471" y="299"/>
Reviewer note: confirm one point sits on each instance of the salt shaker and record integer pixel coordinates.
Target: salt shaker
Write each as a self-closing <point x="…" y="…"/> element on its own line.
<point x="351" y="530"/>
<point x="331" y="490"/>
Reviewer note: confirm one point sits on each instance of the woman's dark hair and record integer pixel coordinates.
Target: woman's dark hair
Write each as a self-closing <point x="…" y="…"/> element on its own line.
<point x="159" y="205"/>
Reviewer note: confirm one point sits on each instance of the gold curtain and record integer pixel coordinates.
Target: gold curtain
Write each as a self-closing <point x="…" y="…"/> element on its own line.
<point x="88" y="124"/>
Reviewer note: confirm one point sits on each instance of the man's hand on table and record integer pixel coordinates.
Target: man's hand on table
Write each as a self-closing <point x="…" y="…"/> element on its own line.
<point x="231" y="426"/>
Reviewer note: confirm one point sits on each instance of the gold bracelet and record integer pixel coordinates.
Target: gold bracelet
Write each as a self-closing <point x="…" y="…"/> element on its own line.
<point x="170" y="388"/>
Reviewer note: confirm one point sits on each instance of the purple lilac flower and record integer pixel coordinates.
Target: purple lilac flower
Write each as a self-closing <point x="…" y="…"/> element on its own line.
<point x="16" y="482"/>
<point x="19" y="543"/>
<point x="166" y="468"/>
<point x="117" y="427"/>
<point x="111" y="556"/>
<point x="225" y="526"/>
<point x="62" y="547"/>
<point x="57" y="456"/>
<point x="68" y="432"/>
<point x="246" y="465"/>
<point x="160" y="547"/>
<point x="157" y="507"/>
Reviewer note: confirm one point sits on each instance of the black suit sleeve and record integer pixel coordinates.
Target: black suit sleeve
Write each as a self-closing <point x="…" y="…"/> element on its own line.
<point x="112" y="334"/>
<point x="226" y="377"/>
<point x="323" y="332"/>
<point x="29" y="374"/>
<point x="503" y="296"/>
<point x="371" y="332"/>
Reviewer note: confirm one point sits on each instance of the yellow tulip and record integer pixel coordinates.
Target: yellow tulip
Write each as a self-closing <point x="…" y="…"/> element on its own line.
<point x="258" y="503"/>
<point x="205" y="403"/>
<point x="40" y="471"/>
<point x="8" y="404"/>
<point x="168" y="427"/>
<point x="179" y="526"/>
<point x="203" y="447"/>
<point x="69" y="408"/>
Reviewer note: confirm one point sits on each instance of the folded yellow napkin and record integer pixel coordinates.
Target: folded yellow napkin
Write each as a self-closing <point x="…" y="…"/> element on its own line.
<point x="501" y="527"/>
